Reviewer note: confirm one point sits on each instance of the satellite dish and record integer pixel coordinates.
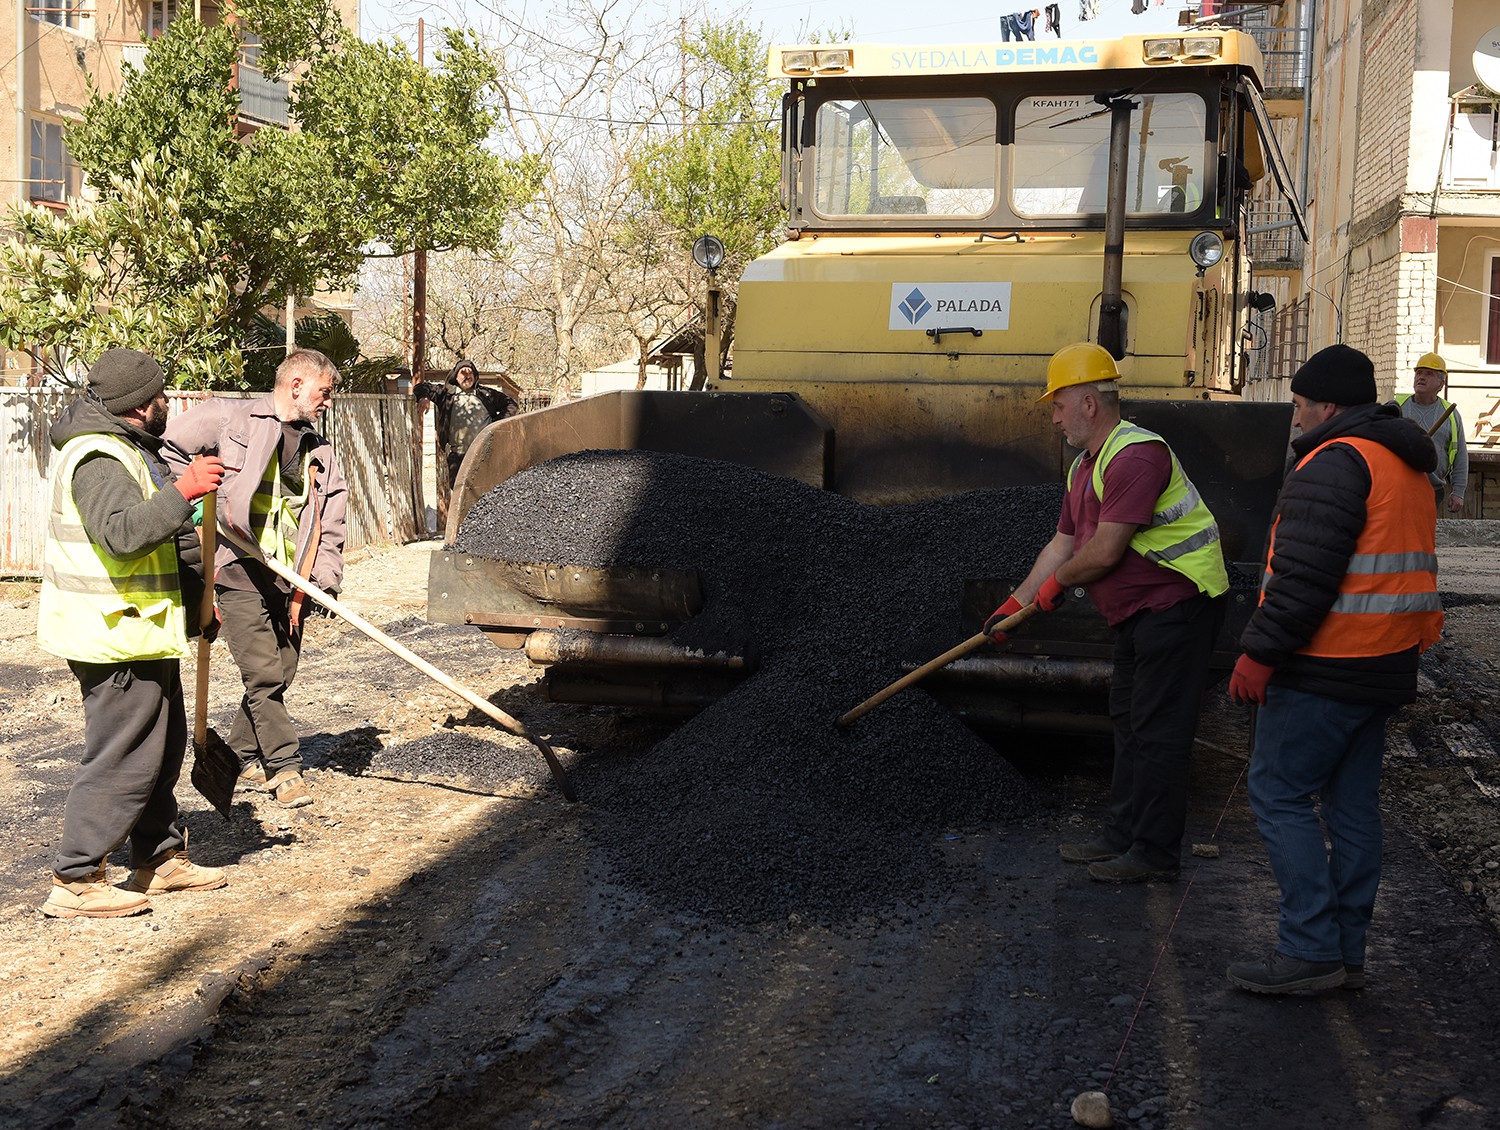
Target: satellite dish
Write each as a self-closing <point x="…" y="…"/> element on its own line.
<point x="1487" y="59"/>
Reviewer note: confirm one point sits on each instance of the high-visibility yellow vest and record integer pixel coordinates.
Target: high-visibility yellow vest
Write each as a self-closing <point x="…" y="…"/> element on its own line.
<point x="95" y="607"/>
<point x="274" y="515"/>
<point x="1452" y="431"/>
<point x="1183" y="535"/>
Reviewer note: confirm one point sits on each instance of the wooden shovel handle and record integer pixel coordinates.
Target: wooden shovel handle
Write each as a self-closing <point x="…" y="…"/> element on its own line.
<point x="970" y="644"/>
<point x="1432" y="431"/>
<point x="206" y="537"/>
<point x="344" y="612"/>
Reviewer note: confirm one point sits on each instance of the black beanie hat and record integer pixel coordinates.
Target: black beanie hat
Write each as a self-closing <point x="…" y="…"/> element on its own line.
<point x="1338" y="375"/>
<point x="124" y="379"/>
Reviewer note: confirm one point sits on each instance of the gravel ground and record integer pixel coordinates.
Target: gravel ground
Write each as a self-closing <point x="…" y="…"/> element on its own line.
<point x="441" y="940"/>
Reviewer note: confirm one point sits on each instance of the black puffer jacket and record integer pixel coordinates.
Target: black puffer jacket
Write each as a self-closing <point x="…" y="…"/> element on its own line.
<point x="1322" y="513"/>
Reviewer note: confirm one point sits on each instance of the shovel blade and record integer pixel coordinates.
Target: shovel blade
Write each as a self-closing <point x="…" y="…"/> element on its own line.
<point x="215" y="771"/>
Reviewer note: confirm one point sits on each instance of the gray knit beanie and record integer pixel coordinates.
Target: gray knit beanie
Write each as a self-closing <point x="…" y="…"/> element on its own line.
<point x="124" y="379"/>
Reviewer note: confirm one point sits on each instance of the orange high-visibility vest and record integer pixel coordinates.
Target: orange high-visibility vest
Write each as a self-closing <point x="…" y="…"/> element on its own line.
<point x="1388" y="599"/>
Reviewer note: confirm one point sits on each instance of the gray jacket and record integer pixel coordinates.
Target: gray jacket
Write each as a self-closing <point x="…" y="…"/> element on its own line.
<point x="246" y="435"/>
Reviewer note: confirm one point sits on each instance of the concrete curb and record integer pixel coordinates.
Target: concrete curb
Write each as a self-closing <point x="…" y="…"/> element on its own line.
<point x="1467" y="532"/>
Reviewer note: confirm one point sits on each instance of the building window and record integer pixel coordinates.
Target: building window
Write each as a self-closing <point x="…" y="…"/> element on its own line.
<point x="51" y="164"/>
<point x="64" y="13"/>
<point x="158" y="16"/>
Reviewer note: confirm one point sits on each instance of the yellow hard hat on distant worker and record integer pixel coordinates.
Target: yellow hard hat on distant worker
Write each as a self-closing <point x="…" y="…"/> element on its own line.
<point x="1082" y="363"/>
<point x="1432" y="361"/>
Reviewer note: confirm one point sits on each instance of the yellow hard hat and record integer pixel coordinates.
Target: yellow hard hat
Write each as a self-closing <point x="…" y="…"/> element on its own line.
<point x="1082" y="363"/>
<point x="1432" y="361"/>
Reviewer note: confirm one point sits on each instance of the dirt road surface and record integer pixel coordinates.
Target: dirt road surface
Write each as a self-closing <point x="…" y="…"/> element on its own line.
<point x="441" y="940"/>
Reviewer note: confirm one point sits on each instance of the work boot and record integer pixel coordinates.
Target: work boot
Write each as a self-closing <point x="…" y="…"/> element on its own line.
<point x="1098" y="849"/>
<point x="289" y="789"/>
<point x="1279" y="973"/>
<point x="1131" y="868"/>
<point x="92" y="897"/>
<point x="252" y="777"/>
<point x="172" y="871"/>
<point x="1354" y="977"/>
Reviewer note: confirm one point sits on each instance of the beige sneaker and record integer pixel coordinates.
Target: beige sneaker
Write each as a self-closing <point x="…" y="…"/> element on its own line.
<point x="289" y="789"/>
<point x="253" y="777"/>
<point x="92" y="898"/>
<point x="174" y="872"/>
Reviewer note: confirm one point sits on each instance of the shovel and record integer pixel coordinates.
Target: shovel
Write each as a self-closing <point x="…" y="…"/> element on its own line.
<point x="512" y="725"/>
<point x="972" y="643"/>
<point x="215" y="766"/>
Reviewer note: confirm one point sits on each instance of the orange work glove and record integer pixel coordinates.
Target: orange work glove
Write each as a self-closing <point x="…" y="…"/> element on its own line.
<point x="1248" y="683"/>
<point x="1004" y="612"/>
<point x="1049" y="597"/>
<point x="203" y="474"/>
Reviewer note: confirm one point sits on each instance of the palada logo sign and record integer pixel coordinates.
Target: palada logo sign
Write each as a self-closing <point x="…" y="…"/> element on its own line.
<point x="924" y="306"/>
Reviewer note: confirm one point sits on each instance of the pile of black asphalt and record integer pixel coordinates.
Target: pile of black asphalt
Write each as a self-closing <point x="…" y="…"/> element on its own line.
<point x="758" y="808"/>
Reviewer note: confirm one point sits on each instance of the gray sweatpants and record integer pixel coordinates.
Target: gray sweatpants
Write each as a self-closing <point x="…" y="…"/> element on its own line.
<point x="257" y="630"/>
<point x="135" y="736"/>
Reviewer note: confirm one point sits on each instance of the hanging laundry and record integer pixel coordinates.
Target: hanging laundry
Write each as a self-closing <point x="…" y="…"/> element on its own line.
<point x="1008" y="29"/>
<point x="1054" y="20"/>
<point x="1137" y="7"/>
<point x="1026" y="24"/>
<point x="1087" y="10"/>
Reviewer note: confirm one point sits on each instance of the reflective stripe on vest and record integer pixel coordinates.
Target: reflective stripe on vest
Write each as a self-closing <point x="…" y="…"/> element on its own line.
<point x="1182" y="535"/>
<point x="1448" y="423"/>
<point x="1388" y="599"/>
<point x="94" y="607"/>
<point x="274" y="517"/>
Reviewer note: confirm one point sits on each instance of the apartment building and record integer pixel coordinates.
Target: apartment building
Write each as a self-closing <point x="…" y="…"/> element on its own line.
<point x="1392" y="135"/>
<point x="51" y="50"/>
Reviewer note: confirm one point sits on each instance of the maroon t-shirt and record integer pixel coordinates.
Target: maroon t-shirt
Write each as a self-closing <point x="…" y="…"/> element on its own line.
<point x="1133" y="482"/>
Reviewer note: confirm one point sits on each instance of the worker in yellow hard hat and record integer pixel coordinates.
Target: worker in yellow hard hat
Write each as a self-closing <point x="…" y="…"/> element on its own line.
<point x="1135" y="532"/>
<point x="1425" y="406"/>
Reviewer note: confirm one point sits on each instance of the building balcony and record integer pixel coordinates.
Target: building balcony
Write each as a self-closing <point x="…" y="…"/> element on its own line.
<point x="1272" y="240"/>
<point x="263" y="101"/>
<point x="1286" y="54"/>
<point x="1471" y="158"/>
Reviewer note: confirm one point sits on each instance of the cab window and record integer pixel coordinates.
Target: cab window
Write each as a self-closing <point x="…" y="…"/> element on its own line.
<point x="901" y="157"/>
<point x="1061" y="165"/>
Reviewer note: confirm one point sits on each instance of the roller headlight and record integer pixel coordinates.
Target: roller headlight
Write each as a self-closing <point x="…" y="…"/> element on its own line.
<point x="1206" y="249"/>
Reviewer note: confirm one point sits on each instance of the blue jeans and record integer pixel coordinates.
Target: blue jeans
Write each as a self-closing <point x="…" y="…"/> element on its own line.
<point x="1307" y="745"/>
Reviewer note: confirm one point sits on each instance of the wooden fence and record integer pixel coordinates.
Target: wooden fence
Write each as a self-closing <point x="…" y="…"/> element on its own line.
<point x="374" y="435"/>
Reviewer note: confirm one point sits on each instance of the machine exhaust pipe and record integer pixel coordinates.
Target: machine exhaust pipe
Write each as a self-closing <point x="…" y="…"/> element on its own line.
<point x="1111" y="297"/>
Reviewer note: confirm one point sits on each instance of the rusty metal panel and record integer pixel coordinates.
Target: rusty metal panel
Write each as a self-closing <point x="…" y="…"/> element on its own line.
<point x="464" y="589"/>
<point x="372" y="433"/>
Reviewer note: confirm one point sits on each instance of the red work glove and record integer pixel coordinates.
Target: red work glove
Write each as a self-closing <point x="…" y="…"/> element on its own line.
<point x="1004" y="612"/>
<point x="203" y="474"/>
<point x="1049" y="597"/>
<point x="1248" y="683"/>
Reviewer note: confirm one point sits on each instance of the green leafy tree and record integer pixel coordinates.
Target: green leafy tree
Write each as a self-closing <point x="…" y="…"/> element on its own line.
<point x="721" y="174"/>
<point x="264" y="347"/>
<point x="388" y="156"/>
<point x="135" y="271"/>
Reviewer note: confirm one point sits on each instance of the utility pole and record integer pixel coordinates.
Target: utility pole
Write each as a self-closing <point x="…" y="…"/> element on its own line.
<point x="419" y="271"/>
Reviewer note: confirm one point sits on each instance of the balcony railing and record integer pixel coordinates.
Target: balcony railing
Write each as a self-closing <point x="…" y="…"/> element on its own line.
<point x="1471" y="159"/>
<point x="262" y="99"/>
<point x="1271" y="236"/>
<point x="1285" y="49"/>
